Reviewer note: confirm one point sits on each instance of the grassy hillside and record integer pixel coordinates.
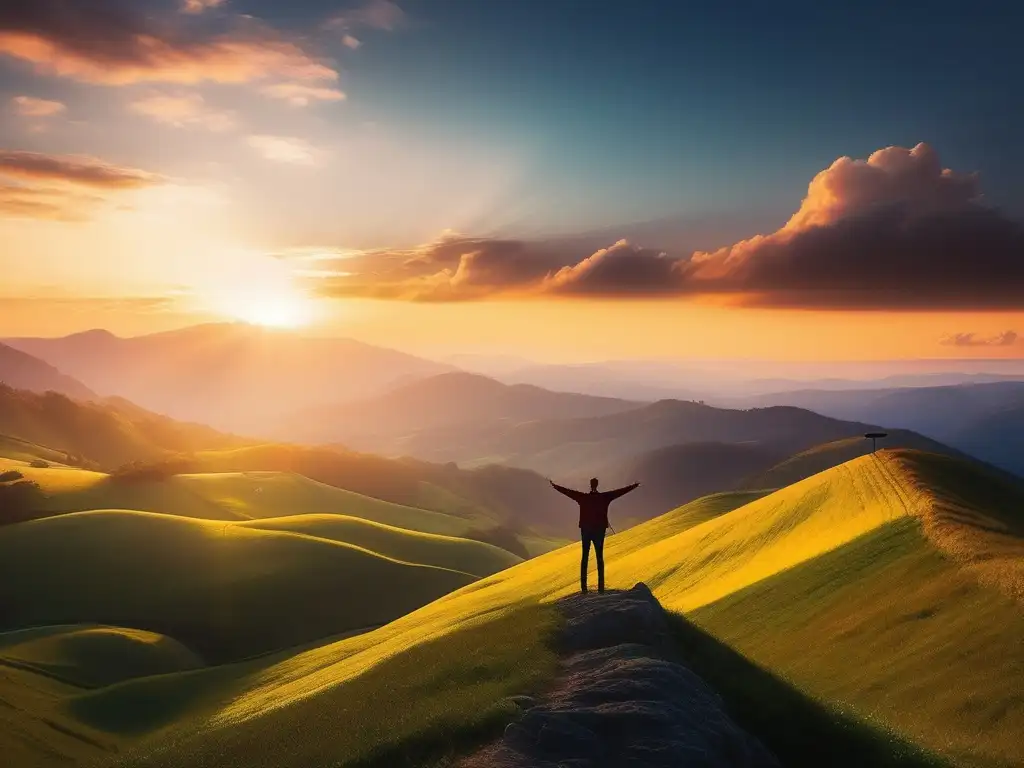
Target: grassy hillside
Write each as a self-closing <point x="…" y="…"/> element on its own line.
<point x="98" y="433"/>
<point x="92" y="656"/>
<point x="879" y="585"/>
<point x="811" y="536"/>
<point x="223" y="590"/>
<point x="258" y="495"/>
<point x="827" y="455"/>
<point x="16" y="449"/>
<point x="473" y="557"/>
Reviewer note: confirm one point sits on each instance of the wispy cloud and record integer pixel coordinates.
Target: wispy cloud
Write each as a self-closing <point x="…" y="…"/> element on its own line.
<point x="63" y="187"/>
<point x="183" y="110"/>
<point x="29" y="106"/>
<point x="301" y="95"/>
<point x="351" y="41"/>
<point x="115" y="42"/>
<point x="284" y="149"/>
<point x="971" y="339"/>
<point x="73" y="169"/>
<point x="376" y="14"/>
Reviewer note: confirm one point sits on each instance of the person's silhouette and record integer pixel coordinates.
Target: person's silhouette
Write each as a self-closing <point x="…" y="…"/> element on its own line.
<point x="593" y="523"/>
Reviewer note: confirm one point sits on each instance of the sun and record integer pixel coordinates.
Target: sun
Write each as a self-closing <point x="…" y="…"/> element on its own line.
<point x="273" y="311"/>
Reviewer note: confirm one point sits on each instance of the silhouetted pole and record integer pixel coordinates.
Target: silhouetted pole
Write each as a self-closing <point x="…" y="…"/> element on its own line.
<point x="873" y="436"/>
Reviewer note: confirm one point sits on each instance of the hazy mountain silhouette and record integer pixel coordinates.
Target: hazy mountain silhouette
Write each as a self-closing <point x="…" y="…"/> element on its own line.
<point x="233" y="376"/>
<point x="979" y="419"/>
<point x="23" y="371"/>
<point x="451" y="408"/>
<point x="567" y="445"/>
<point x="105" y="434"/>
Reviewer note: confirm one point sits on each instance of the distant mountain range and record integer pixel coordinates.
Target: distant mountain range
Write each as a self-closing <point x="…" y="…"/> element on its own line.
<point x="982" y="419"/>
<point x="234" y="377"/>
<point x="677" y="450"/>
<point x="454" y="411"/>
<point x="23" y="371"/>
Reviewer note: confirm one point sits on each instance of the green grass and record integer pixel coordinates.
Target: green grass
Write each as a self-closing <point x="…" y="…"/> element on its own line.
<point x="436" y="698"/>
<point x="895" y="630"/>
<point x="859" y="594"/>
<point x="95" y="656"/>
<point x="800" y="730"/>
<point x="472" y="557"/>
<point x="16" y="449"/>
<point x="223" y="590"/>
<point x="260" y="495"/>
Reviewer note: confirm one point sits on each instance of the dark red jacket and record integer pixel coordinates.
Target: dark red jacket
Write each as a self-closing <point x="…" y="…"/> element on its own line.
<point x="594" y="505"/>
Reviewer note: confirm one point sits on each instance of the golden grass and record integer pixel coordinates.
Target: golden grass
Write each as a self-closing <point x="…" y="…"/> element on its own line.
<point x="309" y="707"/>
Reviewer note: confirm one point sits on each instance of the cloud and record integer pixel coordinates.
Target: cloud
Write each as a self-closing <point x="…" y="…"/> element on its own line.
<point x="621" y="269"/>
<point x="183" y="110"/>
<point x="894" y="232"/>
<point x="970" y="339"/>
<point x="73" y="169"/>
<point x="351" y="42"/>
<point x="284" y="149"/>
<point x="199" y="6"/>
<point x="301" y="95"/>
<point x="116" y="42"/>
<point x="63" y="187"/>
<point x="376" y="14"/>
<point x="28" y="106"/>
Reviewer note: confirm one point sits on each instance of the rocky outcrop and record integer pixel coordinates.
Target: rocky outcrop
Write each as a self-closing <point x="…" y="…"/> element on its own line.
<point x="623" y="700"/>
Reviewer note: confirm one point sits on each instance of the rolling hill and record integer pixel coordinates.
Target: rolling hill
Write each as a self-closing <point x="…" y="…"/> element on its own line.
<point x="889" y="585"/>
<point x="235" y="377"/>
<point x="225" y="591"/>
<point x="23" y="371"/>
<point x="105" y="434"/>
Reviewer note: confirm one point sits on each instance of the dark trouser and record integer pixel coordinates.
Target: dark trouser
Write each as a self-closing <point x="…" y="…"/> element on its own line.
<point x="595" y="536"/>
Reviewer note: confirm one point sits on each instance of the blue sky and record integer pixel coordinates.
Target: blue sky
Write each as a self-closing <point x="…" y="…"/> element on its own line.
<point x="618" y="112"/>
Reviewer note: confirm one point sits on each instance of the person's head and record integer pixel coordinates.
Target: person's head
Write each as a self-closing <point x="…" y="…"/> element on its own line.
<point x="593" y="483"/>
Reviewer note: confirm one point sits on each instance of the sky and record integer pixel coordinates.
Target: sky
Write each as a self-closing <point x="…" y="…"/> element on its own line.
<point x="566" y="180"/>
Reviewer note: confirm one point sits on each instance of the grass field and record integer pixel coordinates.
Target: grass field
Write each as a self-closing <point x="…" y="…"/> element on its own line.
<point x="95" y="656"/>
<point x="466" y="555"/>
<point x="864" y="586"/>
<point x="227" y="496"/>
<point x="16" y="449"/>
<point x="223" y="590"/>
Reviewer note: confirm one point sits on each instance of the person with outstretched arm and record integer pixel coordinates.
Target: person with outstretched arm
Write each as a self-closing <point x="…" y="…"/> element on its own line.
<point x="593" y="523"/>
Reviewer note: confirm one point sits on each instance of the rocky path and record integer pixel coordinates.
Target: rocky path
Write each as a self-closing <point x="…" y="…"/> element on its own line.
<point x="623" y="700"/>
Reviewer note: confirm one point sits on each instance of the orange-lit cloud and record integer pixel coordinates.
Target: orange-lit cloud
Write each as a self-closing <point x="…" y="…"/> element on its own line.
<point x="893" y="232"/>
<point x="351" y="42"/>
<point x="183" y="110"/>
<point x="28" y="106"/>
<point x="62" y="187"/>
<point x="970" y="339"/>
<point x="284" y="149"/>
<point x="199" y="6"/>
<point x="302" y="95"/>
<point x="73" y="169"/>
<point x="113" y="42"/>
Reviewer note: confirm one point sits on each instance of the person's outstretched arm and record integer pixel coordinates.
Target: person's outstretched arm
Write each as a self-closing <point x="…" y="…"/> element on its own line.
<point x="621" y="491"/>
<point x="574" y="495"/>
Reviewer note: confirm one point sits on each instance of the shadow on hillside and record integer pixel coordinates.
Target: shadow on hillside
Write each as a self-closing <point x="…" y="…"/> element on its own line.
<point x="802" y="732"/>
